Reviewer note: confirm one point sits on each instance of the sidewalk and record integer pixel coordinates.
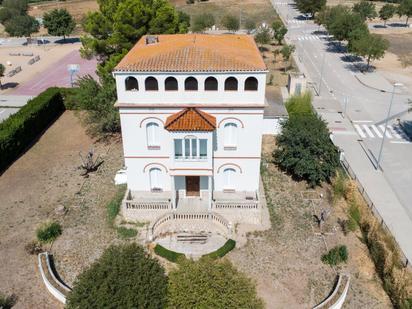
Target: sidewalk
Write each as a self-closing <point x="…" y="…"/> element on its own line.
<point x="373" y="181"/>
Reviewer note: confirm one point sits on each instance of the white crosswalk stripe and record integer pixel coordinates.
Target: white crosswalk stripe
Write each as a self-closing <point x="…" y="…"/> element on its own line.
<point x="373" y="131"/>
<point x="308" y="38"/>
<point x="295" y="21"/>
<point x="281" y="3"/>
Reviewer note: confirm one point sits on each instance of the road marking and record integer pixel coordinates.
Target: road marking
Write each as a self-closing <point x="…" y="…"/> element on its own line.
<point x="388" y="135"/>
<point x="359" y="130"/>
<point x="359" y="121"/>
<point x="400" y="142"/>
<point x="1" y="112"/>
<point x="379" y="134"/>
<point x="368" y="131"/>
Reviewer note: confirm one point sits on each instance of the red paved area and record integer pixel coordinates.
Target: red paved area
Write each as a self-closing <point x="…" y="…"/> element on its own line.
<point x="57" y="75"/>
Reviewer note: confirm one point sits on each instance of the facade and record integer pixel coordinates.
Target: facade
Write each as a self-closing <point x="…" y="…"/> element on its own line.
<point x="191" y="109"/>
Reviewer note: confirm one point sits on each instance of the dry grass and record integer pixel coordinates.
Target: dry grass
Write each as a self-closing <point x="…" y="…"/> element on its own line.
<point x="256" y="10"/>
<point x="285" y="261"/>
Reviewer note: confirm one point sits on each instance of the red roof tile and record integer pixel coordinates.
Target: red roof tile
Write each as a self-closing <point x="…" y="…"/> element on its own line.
<point x="190" y="119"/>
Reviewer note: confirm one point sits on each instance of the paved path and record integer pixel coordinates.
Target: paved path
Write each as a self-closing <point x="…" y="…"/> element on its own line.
<point x="57" y="75"/>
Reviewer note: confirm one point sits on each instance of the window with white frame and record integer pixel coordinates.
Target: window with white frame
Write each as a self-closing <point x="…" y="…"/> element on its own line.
<point x="230" y="135"/>
<point x="152" y="132"/>
<point x="229" y="178"/>
<point x="190" y="148"/>
<point x="155" y="175"/>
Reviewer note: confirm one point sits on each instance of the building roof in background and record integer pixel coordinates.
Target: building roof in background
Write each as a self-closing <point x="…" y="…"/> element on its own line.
<point x="193" y="53"/>
<point x="190" y="119"/>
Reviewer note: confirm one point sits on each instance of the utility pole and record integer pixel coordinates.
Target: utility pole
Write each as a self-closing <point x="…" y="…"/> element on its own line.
<point x="345" y="101"/>
<point x="386" y="124"/>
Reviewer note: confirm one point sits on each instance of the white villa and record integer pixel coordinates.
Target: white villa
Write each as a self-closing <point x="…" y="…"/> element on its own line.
<point x="191" y="109"/>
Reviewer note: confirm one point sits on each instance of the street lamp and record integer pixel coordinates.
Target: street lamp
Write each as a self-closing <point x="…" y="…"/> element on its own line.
<point x="386" y="123"/>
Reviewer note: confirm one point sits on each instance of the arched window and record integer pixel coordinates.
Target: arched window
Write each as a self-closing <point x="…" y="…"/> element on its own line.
<point x="171" y="84"/>
<point x="230" y="84"/>
<point x="152" y="134"/>
<point x="155" y="175"/>
<point x="211" y="84"/>
<point x="230" y="131"/>
<point x="151" y="84"/>
<point x="229" y="175"/>
<point x="191" y="84"/>
<point x="251" y="84"/>
<point x="131" y="84"/>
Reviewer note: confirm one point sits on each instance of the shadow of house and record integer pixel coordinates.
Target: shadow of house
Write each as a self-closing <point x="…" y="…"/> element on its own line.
<point x="407" y="128"/>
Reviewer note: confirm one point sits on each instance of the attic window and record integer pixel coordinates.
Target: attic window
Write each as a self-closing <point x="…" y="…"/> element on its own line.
<point x="152" y="39"/>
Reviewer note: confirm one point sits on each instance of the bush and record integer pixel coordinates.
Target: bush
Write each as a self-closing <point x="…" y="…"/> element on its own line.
<point x="299" y="104"/>
<point x="123" y="277"/>
<point x="335" y="256"/>
<point x="20" y="130"/>
<point x="354" y="213"/>
<point x="339" y="186"/>
<point x="305" y="150"/>
<point x="211" y="284"/>
<point x="203" y="21"/>
<point x="48" y="231"/>
<point x="125" y="232"/>
<point x="169" y="255"/>
<point x="113" y="207"/>
<point x="222" y="251"/>
<point x="7" y="302"/>
<point x="33" y="247"/>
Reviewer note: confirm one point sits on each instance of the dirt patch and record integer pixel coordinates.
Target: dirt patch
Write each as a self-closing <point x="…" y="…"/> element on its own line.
<point x="285" y="261"/>
<point x="256" y="10"/>
<point x="45" y="177"/>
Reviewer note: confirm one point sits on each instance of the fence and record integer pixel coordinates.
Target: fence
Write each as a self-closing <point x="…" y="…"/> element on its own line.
<point x="346" y="166"/>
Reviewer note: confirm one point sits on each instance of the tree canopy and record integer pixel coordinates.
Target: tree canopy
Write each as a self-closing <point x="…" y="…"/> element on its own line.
<point x="366" y="9"/>
<point x="279" y="31"/>
<point x="305" y="149"/>
<point x="59" y="22"/>
<point x="341" y="22"/>
<point x="203" y="21"/>
<point x="22" y="26"/>
<point x="310" y="6"/>
<point x="262" y="36"/>
<point x="405" y="9"/>
<point x="123" y="277"/>
<point x="2" y="70"/>
<point x="370" y="46"/>
<point x="210" y="284"/>
<point x="119" y="24"/>
<point x="231" y="23"/>
<point x="386" y="12"/>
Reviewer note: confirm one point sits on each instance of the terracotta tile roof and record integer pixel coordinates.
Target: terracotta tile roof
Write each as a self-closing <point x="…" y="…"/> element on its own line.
<point x="194" y="53"/>
<point x="190" y="119"/>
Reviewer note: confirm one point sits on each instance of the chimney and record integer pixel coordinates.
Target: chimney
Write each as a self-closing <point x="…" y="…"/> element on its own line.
<point x="152" y="39"/>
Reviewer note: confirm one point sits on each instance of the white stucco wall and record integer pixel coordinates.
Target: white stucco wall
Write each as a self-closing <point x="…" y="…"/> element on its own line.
<point x="245" y="159"/>
<point x="142" y="97"/>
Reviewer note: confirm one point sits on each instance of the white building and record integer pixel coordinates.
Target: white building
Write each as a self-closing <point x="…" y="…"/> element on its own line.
<point x="191" y="109"/>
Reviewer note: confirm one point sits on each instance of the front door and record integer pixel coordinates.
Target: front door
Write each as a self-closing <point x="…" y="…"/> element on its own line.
<point x="192" y="186"/>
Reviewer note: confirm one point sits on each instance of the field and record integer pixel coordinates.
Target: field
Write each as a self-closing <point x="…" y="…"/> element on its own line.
<point x="285" y="261"/>
<point x="45" y="177"/>
<point x="255" y="10"/>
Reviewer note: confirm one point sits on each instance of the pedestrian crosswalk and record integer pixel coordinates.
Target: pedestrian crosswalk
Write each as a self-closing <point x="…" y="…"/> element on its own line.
<point x="296" y="21"/>
<point x="281" y="3"/>
<point x="378" y="131"/>
<point x="309" y="38"/>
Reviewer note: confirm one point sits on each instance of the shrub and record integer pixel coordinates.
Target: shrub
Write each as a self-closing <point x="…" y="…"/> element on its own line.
<point x="222" y="251"/>
<point x="48" y="231"/>
<point x="339" y="186"/>
<point x="169" y="255"/>
<point x="335" y="256"/>
<point x="211" y="284"/>
<point x="123" y="277"/>
<point x="202" y="21"/>
<point x="305" y="150"/>
<point x="7" y="302"/>
<point x="20" y="130"/>
<point x="125" y="232"/>
<point x="299" y="104"/>
<point x="33" y="247"/>
<point x="113" y="207"/>
<point x="354" y="212"/>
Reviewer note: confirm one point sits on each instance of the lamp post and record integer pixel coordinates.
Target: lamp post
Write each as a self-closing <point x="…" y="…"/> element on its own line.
<point x="321" y="71"/>
<point x="386" y="124"/>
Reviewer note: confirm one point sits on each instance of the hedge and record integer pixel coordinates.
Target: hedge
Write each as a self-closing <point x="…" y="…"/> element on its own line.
<point x="222" y="251"/>
<point x="20" y="130"/>
<point x="169" y="255"/>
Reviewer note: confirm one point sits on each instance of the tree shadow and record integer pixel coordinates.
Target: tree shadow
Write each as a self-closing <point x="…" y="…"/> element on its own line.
<point x="42" y="42"/>
<point x="398" y="25"/>
<point x="9" y="86"/>
<point x="263" y="49"/>
<point x="359" y="67"/>
<point x="320" y="32"/>
<point x="380" y="26"/>
<point x="335" y="47"/>
<point x="68" y="41"/>
<point x="351" y="58"/>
